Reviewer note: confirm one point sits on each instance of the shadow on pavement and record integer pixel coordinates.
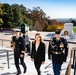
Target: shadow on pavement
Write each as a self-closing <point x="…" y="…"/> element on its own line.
<point x="9" y="73"/>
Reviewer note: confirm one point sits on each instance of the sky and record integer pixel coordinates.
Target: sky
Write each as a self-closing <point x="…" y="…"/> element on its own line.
<point x="52" y="8"/>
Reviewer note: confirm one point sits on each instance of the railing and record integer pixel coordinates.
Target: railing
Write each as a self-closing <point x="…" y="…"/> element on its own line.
<point x="8" y="44"/>
<point x="73" y="53"/>
<point x="73" y="66"/>
<point x="4" y="40"/>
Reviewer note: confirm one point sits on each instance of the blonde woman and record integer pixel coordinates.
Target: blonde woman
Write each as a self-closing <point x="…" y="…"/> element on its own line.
<point x="38" y="52"/>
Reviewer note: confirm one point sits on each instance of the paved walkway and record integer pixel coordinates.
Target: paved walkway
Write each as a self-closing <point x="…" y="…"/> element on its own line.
<point x="46" y="68"/>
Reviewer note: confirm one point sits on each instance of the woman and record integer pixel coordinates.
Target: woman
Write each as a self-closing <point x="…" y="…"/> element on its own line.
<point x="38" y="52"/>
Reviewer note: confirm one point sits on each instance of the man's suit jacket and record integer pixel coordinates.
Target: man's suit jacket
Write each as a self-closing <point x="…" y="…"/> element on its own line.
<point x="38" y="55"/>
<point x="19" y="45"/>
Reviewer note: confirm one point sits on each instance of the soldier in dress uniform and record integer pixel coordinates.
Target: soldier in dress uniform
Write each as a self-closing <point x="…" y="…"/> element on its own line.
<point x="18" y="45"/>
<point x="57" y="51"/>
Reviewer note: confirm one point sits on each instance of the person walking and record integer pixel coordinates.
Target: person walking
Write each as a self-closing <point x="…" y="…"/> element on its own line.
<point x="19" y="50"/>
<point x="38" y="52"/>
<point x="27" y="42"/>
<point x="57" y="51"/>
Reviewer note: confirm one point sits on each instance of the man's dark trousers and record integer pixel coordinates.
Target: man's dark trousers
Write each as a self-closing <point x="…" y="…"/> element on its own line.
<point x="56" y="68"/>
<point x="16" y="59"/>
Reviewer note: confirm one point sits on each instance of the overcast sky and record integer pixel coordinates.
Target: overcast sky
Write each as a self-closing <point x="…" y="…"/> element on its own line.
<point x="52" y="8"/>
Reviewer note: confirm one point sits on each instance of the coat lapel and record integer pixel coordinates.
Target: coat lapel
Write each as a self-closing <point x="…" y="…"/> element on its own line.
<point x="35" y="47"/>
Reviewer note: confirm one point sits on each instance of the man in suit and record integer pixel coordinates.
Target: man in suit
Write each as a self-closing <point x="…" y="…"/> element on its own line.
<point x="58" y="50"/>
<point x="38" y="52"/>
<point x="27" y="42"/>
<point x="18" y="45"/>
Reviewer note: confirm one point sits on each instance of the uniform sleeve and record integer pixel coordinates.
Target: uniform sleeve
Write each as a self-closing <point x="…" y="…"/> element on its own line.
<point x="43" y="57"/>
<point x="23" y="46"/>
<point x="66" y="48"/>
<point x="49" y="50"/>
<point x="32" y="51"/>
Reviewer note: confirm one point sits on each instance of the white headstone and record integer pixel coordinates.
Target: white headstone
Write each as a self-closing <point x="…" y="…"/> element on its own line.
<point x="69" y="28"/>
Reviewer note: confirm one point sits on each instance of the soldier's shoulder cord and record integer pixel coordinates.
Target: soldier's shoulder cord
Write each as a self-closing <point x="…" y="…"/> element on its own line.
<point x="51" y="39"/>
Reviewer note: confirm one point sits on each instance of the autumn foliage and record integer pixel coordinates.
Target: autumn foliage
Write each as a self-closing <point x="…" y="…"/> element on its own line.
<point x="55" y="25"/>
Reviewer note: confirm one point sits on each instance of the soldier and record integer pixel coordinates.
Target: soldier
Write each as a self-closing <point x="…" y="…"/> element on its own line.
<point x="19" y="50"/>
<point x="58" y="50"/>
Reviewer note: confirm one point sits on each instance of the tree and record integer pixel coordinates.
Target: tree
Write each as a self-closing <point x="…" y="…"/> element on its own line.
<point x="1" y="13"/>
<point x="20" y="15"/>
<point x="37" y="14"/>
<point x="74" y="22"/>
<point x="7" y="16"/>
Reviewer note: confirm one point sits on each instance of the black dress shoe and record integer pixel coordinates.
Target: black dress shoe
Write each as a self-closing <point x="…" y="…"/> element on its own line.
<point x="24" y="71"/>
<point x="18" y="73"/>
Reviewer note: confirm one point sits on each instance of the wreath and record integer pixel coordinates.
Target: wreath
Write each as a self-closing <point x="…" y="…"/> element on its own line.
<point x="65" y="32"/>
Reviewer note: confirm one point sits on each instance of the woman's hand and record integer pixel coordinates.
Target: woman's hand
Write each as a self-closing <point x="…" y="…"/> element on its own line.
<point x="32" y="59"/>
<point x="43" y="62"/>
<point x="13" y="48"/>
<point x="21" y="55"/>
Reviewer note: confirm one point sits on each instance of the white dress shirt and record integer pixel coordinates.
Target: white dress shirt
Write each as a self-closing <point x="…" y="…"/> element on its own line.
<point x="37" y="45"/>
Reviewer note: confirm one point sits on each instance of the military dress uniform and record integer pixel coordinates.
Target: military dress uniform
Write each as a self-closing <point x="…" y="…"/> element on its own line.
<point x="19" y="48"/>
<point x="57" y="51"/>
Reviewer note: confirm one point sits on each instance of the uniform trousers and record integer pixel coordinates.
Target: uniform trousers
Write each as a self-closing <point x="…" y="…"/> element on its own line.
<point x="16" y="59"/>
<point x="57" y="68"/>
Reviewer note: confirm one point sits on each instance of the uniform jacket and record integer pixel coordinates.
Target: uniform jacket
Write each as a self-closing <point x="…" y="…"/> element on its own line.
<point x="19" y="45"/>
<point x="38" y="55"/>
<point x="60" y="45"/>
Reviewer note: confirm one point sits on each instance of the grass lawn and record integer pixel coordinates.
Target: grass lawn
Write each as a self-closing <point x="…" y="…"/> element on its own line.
<point x="74" y="29"/>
